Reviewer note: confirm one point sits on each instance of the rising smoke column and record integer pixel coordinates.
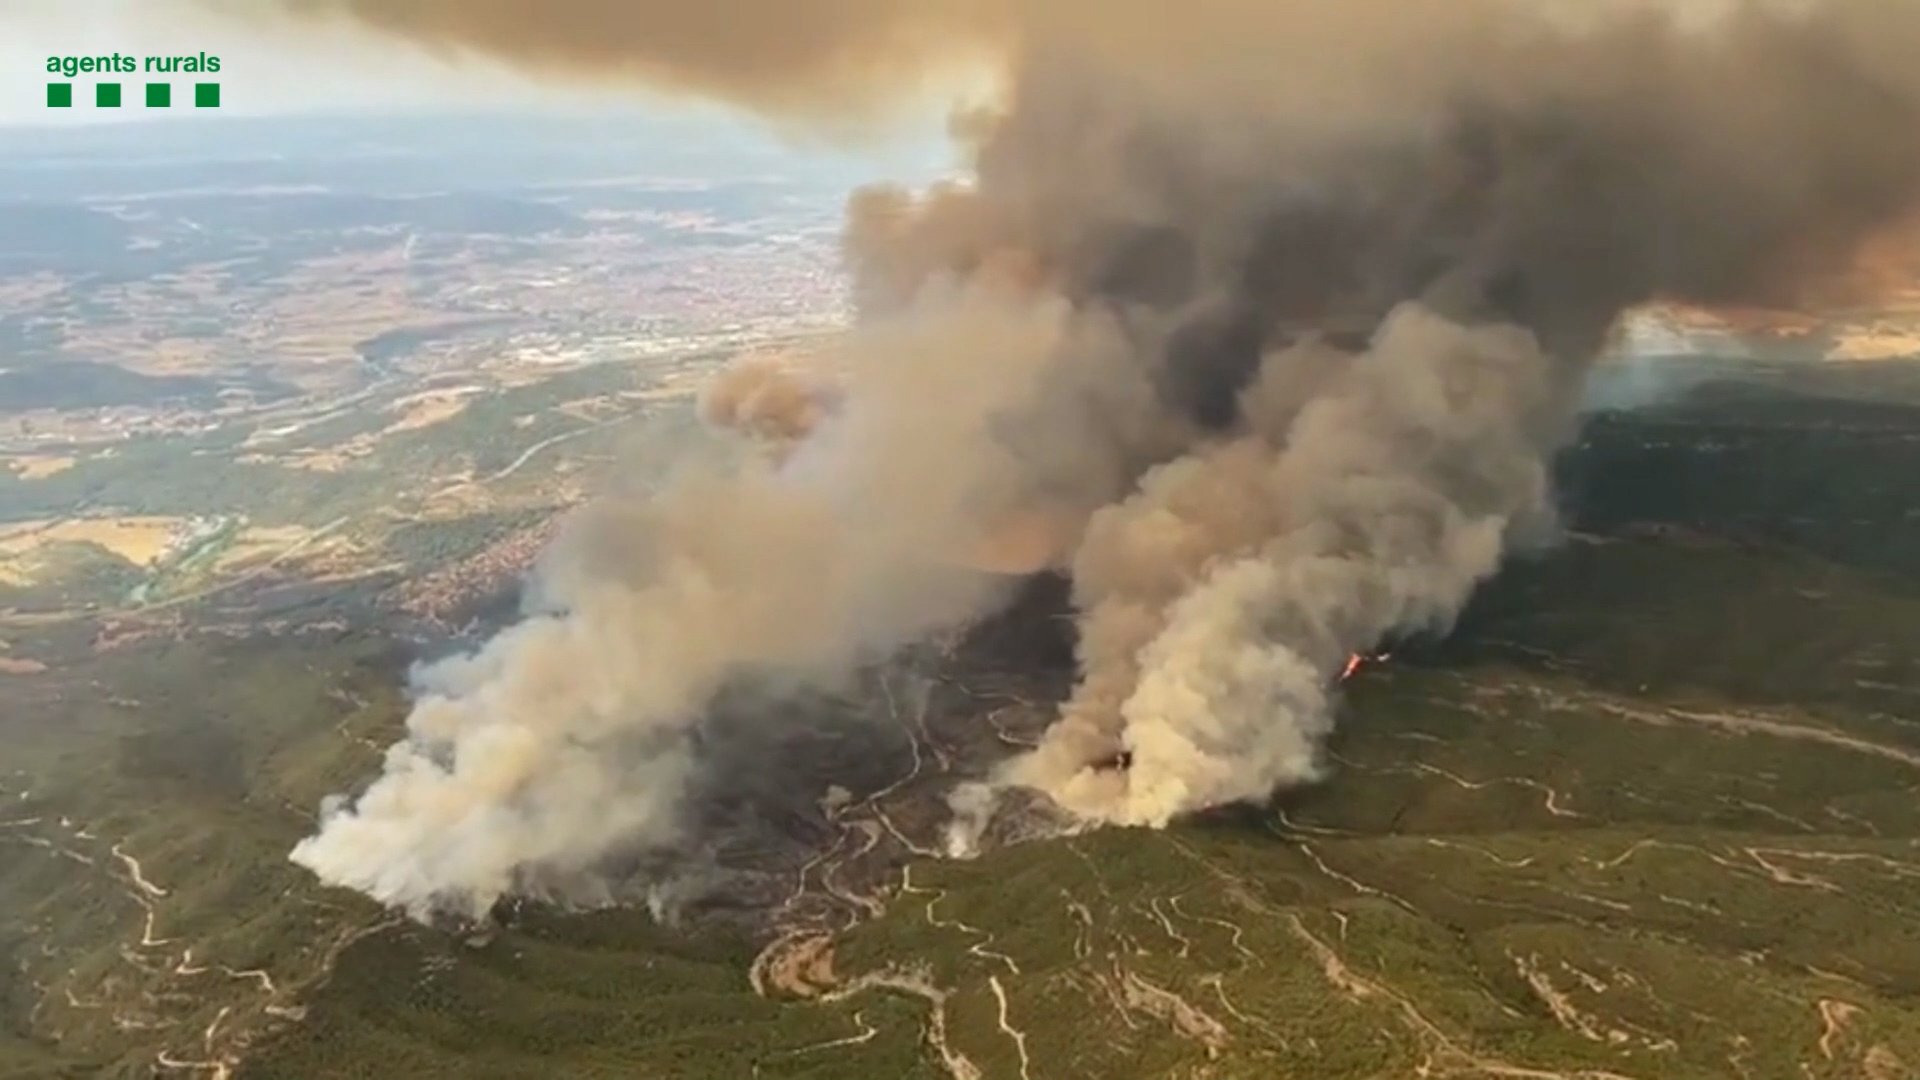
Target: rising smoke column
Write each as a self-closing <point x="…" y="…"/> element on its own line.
<point x="1272" y="312"/>
<point x="571" y="737"/>
<point x="1219" y="602"/>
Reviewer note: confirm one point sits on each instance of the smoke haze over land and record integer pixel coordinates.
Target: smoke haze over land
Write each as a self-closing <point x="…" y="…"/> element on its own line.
<point x="1265" y="317"/>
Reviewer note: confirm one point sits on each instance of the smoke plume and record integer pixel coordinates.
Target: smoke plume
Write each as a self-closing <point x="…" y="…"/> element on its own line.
<point x="1266" y="317"/>
<point x="770" y="398"/>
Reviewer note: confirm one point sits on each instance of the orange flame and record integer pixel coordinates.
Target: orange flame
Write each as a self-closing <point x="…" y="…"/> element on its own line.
<point x="1359" y="660"/>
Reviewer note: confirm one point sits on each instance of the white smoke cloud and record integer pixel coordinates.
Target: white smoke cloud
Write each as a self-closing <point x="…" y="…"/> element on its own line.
<point x="1219" y="602"/>
<point x="1266" y="318"/>
<point x="567" y="737"/>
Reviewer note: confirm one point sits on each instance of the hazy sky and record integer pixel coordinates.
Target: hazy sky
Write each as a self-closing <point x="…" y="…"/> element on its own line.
<point x="263" y="70"/>
<point x="267" y="65"/>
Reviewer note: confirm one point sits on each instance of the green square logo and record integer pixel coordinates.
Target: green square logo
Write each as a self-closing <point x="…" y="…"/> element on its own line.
<point x="106" y="95"/>
<point x="206" y="95"/>
<point x="159" y="95"/>
<point x="59" y="95"/>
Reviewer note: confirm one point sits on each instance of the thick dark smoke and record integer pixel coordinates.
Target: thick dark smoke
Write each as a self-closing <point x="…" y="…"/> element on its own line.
<point x="1264" y="316"/>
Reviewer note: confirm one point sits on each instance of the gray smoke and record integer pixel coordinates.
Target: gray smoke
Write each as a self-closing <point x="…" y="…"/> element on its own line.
<point x="1264" y="316"/>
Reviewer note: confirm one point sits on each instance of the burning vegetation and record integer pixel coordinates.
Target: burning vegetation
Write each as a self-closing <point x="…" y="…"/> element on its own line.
<point x="1264" y="320"/>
